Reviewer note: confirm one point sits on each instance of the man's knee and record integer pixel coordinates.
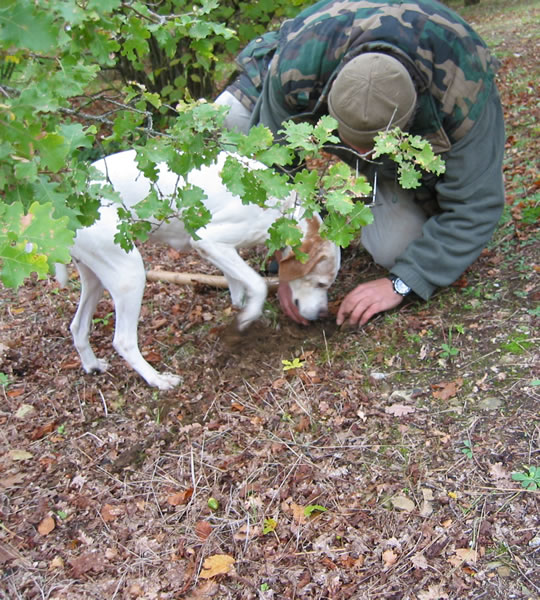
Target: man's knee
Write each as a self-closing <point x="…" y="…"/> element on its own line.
<point x="383" y="251"/>
<point x="398" y="221"/>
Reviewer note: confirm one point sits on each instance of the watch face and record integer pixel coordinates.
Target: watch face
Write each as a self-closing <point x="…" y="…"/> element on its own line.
<point x="401" y="287"/>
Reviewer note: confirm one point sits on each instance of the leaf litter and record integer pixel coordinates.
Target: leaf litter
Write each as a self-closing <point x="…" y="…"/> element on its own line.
<point x="105" y="483"/>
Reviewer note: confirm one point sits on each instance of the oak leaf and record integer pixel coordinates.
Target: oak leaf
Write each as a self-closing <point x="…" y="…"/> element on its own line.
<point x="467" y="554"/>
<point x="389" y="557"/>
<point x="46" y="526"/>
<point x="419" y="561"/>
<point x="203" y="529"/>
<point x="180" y="498"/>
<point x="403" y="503"/>
<point x="110" y="512"/>
<point x="217" y="564"/>
<point x="399" y="410"/>
<point x="445" y="391"/>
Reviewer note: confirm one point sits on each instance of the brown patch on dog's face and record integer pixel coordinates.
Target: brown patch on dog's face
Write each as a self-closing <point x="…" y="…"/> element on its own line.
<point x="290" y="268"/>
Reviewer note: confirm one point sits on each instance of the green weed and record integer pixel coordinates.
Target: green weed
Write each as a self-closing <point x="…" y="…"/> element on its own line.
<point x="529" y="478"/>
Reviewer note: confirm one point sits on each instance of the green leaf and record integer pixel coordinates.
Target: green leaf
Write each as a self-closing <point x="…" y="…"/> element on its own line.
<point x="269" y="526"/>
<point x="314" y="508"/>
<point x="31" y="242"/>
<point x="284" y="232"/>
<point x="306" y="184"/>
<point x="24" y="25"/>
<point x="54" y="150"/>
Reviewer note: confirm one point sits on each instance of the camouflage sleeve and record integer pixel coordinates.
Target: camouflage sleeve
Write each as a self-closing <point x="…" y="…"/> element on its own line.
<point x="310" y="50"/>
<point x="471" y="197"/>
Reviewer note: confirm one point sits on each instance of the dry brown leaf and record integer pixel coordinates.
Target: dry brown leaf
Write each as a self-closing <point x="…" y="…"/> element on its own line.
<point x="180" y="498"/>
<point x="110" y="512"/>
<point x="42" y="431"/>
<point x="434" y="592"/>
<point x="399" y="410"/>
<point x="403" y="503"/>
<point x="389" y="557"/>
<point x="298" y="513"/>
<point x="203" y="591"/>
<point x="46" y="526"/>
<point x="91" y="561"/>
<point x="419" y="561"/>
<point x="217" y="564"/>
<point x="467" y="554"/>
<point x="203" y="529"/>
<point x="11" y="481"/>
<point x="56" y="563"/>
<point x="498" y="472"/>
<point x="17" y="454"/>
<point x="445" y="391"/>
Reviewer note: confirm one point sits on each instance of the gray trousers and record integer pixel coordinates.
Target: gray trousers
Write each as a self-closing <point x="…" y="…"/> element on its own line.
<point x="398" y="220"/>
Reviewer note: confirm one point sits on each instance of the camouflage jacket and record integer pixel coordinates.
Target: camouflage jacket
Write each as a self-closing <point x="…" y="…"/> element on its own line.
<point x="288" y="73"/>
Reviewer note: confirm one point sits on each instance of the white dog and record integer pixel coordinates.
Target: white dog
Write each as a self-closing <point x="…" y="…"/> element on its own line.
<point x="103" y="264"/>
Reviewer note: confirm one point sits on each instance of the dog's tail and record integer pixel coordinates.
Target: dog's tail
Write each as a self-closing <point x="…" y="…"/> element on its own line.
<point x="61" y="274"/>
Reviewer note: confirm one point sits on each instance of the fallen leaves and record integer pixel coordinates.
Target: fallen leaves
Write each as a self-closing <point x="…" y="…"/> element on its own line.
<point x="87" y="562"/>
<point x="180" y="498"/>
<point x="445" y="391"/>
<point x="403" y="503"/>
<point x="203" y="529"/>
<point x="217" y="564"/>
<point x="420" y="561"/>
<point x="468" y="555"/>
<point x="389" y="558"/>
<point x="46" y="526"/>
<point x="110" y="512"/>
<point x="399" y="410"/>
<point x="19" y="455"/>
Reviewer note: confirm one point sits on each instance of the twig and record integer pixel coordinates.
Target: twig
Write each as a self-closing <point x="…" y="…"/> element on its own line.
<point x="190" y="278"/>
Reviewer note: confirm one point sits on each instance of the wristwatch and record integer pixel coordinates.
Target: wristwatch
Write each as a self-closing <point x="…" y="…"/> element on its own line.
<point x="400" y="287"/>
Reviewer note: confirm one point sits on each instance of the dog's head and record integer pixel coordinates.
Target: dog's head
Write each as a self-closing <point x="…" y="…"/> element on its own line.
<point x="310" y="281"/>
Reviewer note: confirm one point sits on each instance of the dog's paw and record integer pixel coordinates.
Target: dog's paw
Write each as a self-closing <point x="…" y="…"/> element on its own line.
<point x="166" y="381"/>
<point x="243" y="322"/>
<point x="100" y="366"/>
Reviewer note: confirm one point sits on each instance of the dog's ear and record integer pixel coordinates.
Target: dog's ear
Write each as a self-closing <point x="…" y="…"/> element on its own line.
<point x="290" y="268"/>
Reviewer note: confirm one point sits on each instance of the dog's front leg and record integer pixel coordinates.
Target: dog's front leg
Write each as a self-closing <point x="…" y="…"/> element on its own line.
<point x="247" y="284"/>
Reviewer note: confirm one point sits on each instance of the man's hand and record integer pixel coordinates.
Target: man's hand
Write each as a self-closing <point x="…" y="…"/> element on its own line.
<point x="366" y="300"/>
<point x="287" y="305"/>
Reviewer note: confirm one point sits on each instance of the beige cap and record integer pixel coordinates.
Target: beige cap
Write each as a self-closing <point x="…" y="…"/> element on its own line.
<point x="371" y="92"/>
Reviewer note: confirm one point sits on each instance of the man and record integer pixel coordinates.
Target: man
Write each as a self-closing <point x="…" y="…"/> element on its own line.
<point x="372" y="65"/>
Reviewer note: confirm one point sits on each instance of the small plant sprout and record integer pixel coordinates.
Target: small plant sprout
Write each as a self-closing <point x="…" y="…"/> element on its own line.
<point x="529" y="478"/>
<point x="296" y="363"/>
<point x="314" y="509"/>
<point x="103" y="320"/>
<point x="269" y="526"/>
<point x="467" y="449"/>
<point x="449" y="351"/>
<point x="4" y="379"/>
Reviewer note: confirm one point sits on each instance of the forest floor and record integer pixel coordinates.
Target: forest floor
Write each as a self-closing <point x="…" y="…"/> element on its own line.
<point x="381" y="468"/>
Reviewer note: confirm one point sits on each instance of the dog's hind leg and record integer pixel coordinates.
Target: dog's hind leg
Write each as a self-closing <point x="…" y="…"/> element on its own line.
<point x="91" y="293"/>
<point x="126" y="285"/>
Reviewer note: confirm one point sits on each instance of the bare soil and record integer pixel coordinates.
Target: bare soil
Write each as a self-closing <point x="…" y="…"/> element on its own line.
<point x="381" y="468"/>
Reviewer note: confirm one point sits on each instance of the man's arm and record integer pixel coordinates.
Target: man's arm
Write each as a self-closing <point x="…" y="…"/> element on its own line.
<point x="471" y="198"/>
